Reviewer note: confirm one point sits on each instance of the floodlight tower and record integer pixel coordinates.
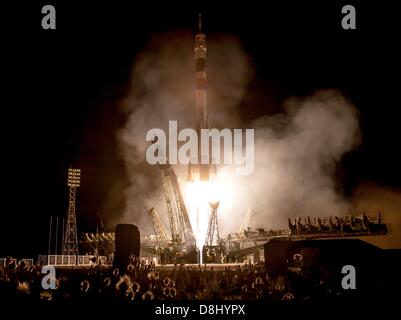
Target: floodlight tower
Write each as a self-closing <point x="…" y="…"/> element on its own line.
<point x="70" y="245"/>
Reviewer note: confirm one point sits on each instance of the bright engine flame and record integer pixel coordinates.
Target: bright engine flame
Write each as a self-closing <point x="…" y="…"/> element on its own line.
<point x="197" y="198"/>
<point x="198" y="194"/>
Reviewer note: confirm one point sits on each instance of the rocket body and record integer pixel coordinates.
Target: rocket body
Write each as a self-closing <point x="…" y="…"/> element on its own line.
<point x="201" y="170"/>
<point x="201" y="89"/>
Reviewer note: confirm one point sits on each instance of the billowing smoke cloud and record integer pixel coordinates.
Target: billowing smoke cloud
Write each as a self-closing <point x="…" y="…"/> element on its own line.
<point x="296" y="155"/>
<point x="160" y="91"/>
<point x="295" y="152"/>
<point x="163" y="89"/>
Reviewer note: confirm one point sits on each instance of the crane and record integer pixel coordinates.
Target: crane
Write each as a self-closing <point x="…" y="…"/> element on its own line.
<point x="162" y="238"/>
<point x="247" y="221"/>
<point x="182" y="234"/>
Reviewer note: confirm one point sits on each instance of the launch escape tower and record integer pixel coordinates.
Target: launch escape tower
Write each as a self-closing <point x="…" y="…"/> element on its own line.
<point x="70" y="245"/>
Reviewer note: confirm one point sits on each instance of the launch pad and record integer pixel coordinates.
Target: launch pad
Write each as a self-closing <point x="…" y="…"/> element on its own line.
<point x="193" y="220"/>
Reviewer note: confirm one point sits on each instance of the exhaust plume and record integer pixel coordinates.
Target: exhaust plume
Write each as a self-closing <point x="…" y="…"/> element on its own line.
<point x="295" y="152"/>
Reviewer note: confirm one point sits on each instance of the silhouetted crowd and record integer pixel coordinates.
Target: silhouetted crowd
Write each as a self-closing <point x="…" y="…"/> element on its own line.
<point x="138" y="282"/>
<point x="142" y="281"/>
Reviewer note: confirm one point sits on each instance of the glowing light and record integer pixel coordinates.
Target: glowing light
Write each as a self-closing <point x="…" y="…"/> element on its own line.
<point x="198" y="194"/>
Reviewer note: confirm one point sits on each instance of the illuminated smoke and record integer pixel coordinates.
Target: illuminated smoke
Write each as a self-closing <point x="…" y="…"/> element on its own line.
<point x="295" y="152"/>
<point x="296" y="155"/>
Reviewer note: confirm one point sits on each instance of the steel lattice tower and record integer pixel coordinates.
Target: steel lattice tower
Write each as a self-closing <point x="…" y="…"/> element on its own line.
<point x="160" y="232"/>
<point x="213" y="236"/>
<point x="70" y="245"/>
<point x="181" y="230"/>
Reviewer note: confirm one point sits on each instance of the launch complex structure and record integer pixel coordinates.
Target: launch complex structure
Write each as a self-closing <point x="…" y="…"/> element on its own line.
<point x="182" y="245"/>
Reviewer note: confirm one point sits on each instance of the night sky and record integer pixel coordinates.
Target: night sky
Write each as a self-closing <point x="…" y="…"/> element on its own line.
<point x="62" y="92"/>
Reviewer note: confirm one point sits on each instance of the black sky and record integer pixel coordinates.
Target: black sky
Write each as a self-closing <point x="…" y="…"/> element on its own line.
<point x="62" y="90"/>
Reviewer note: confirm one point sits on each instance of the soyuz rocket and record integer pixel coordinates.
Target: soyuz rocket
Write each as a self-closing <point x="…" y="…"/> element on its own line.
<point x="200" y="171"/>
